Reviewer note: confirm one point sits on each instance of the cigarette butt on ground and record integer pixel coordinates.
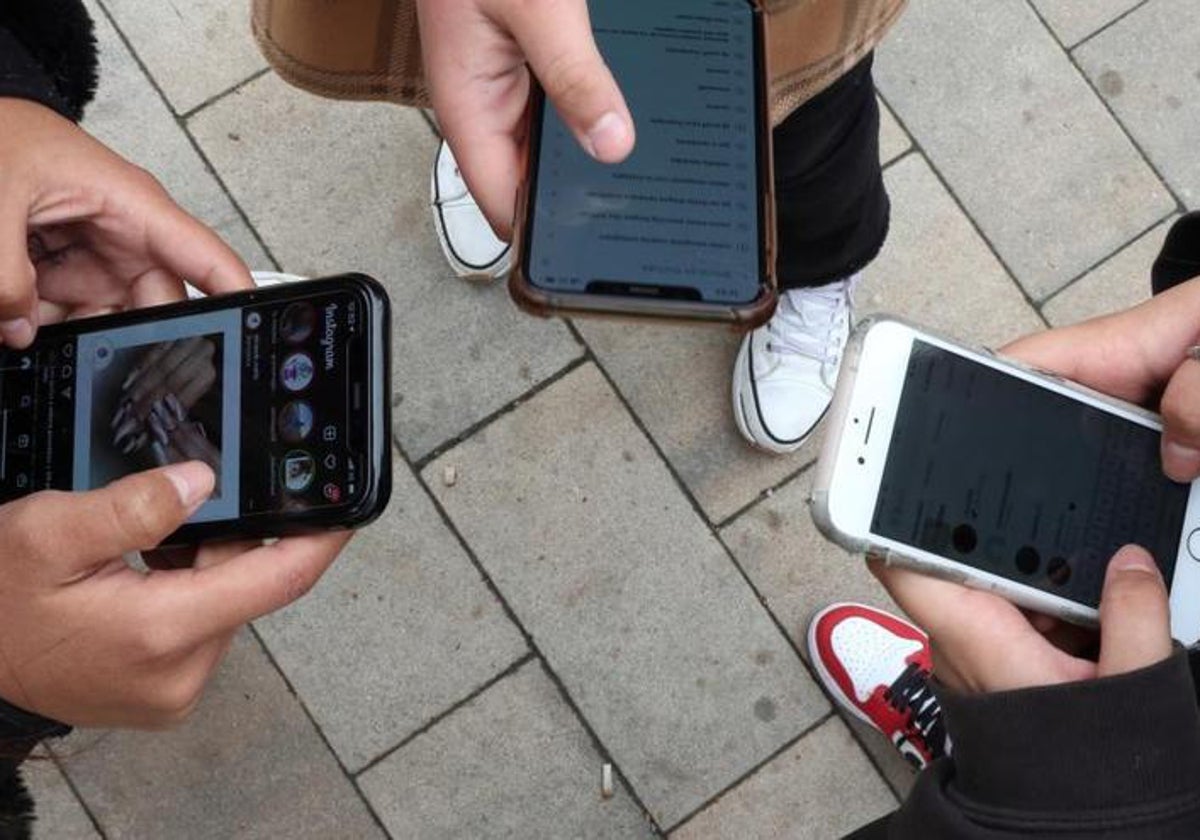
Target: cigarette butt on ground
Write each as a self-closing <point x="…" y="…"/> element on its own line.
<point x="606" y="781"/>
<point x="450" y="476"/>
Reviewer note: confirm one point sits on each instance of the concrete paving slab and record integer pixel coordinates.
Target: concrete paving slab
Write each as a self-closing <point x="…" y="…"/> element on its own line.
<point x="179" y="43"/>
<point x="60" y="815"/>
<point x="130" y="117"/>
<point x="1145" y="68"/>
<point x="1121" y="282"/>
<point x="635" y="605"/>
<point x="937" y="271"/>
<point x="399" y="630"/>
<point x="1029" y="151"/>
<point x="822" y="787"/>
<point x="1073" y="21"/>
<point x="515" y="762"/>
<point x="797" y="573"/>
<point x="336" y="186"/>
<point x="248" y="765"/>
<point x="677" y="381"/>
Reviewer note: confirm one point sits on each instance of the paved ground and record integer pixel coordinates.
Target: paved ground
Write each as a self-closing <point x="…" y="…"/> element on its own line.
<point x="614" y="577"/>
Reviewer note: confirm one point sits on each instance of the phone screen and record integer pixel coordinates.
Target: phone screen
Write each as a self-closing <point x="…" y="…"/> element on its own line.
<point x="1020" y="481"/>
<point x="264" y="393"/>
<point x="680" y="217"/>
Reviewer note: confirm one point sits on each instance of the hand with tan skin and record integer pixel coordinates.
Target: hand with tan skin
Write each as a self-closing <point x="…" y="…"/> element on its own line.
<point x="89" y="641"/>
<point x="83" y="231"/>
<point x="982" y="643"/>
<point x="478" y="58"/>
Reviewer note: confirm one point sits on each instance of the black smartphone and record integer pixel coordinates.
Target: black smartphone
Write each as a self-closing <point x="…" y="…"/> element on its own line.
<point x="684" y="228"/>
<point x="283" y="391"/>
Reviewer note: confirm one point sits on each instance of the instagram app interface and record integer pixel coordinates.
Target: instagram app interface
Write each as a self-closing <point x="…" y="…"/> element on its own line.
<point x="680" y="213"/>
<point x="261" y="394"/>
<point x="1020" y="481"/>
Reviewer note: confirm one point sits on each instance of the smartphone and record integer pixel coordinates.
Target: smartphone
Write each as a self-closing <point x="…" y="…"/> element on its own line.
<point x="283" y="391"/>
<point x="964" y="465"/>
<point x="685" y="227"/>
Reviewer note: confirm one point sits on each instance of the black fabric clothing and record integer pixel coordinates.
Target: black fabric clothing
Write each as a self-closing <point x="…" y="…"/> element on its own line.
<point x="831" y="204"/>
<point x="1179" y="259"/>
<point x="1118" y="758"/>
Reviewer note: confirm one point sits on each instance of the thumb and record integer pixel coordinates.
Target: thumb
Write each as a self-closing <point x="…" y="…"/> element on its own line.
<point x="562" y="53"/>
<point x="1135" y="620"/>
<point x="1181" y="423"/>
<point x="18" y="279"/>
<point x="79" y="530"/>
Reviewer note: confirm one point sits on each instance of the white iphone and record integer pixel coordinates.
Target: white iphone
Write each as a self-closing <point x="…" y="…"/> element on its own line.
<point x="964" y="465"/>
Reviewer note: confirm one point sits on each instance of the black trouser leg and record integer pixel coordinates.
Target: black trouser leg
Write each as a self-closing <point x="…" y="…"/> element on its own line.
<point x="832" y="207"/>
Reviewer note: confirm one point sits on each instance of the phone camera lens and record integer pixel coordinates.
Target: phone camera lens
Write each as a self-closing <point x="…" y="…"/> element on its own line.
<point x="1028" y="560"/>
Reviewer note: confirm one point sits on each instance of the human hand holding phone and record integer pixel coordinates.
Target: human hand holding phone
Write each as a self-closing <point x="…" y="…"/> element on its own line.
<point x="83" y="231"/>
<point x="478" y="58"/>
<point x="89" y="641"/>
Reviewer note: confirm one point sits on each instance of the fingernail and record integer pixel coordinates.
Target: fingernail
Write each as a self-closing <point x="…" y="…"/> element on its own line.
<point x="119" y="418"/>
<point x="17" y="332"/>
<point x="607" y="139"/>
<point x="130" y="379"/>
<point x="160" y="454"/>
<point x="1131" y="558"/>
<point x="126" y="429"/>
<point x="165" y="418"/>
<point x="1181" y="462"/>
<point x="176" y="407"/>
<point x="193" y="481"/>
<point x="156" y="427"/>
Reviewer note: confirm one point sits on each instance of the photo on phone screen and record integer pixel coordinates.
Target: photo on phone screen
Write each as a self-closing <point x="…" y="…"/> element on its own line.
<point x="995" y="472"/>
<point x="681" y="217"/>
<point x="275" y="393"/>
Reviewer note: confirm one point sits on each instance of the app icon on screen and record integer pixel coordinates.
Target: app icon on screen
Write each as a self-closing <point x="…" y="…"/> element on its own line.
<point x="299" y="470"/>
<point x="298" y="322"/>
<point x="296" y="421"/>
<point x="297" y="372"/>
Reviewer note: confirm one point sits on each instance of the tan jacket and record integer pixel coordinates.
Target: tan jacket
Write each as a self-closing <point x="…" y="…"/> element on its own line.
<point x="370" y="49"/>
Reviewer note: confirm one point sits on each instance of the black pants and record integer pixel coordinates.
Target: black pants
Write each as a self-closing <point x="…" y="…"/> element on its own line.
<point x="831" y="204"/>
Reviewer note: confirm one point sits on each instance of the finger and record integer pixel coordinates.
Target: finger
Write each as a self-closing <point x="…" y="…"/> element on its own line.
<point x="1181" y="423"/>
<point x="192" y="368"/>
<point x="563" y="55"/>
<point x="18" y="279"/>
<point x="219" y="599"/>
<point x="135" y="513"/>
<point x="155" y="288"/>
<point x="152" y="379"/>
<point x="196" y="388"/>
<point x="190" y="250"/>
<point x="1135" y="622"/>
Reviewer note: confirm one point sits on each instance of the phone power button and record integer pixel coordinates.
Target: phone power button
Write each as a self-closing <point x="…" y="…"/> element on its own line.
<point x="1194" y="544"/>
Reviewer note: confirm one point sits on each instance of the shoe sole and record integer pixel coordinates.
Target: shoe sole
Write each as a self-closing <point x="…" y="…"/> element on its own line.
<point x="495" y="270"/>
<point x="827" y="681"/>
<point x="745" y="417"/>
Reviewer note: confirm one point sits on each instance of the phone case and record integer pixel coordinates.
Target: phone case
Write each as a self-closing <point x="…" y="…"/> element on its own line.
<point x="836" y="421"/>
<point x="745" y="317"/>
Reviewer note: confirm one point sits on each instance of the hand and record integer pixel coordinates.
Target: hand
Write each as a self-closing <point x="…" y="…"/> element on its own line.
<point x="478" y="54"/>
<point x="89" y="641"/>
<point x="82" y="231"/>
<point x="982" y="643"/>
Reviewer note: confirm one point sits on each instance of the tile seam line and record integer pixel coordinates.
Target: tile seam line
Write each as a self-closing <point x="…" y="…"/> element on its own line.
<point x="758" y="597"/>
<point x="919" y="149"/>
<point x="208" y="166"/>
<point x="1180" y="207"/>
<point x="535" y="650"/>
<point x="1091" y="35"/>
<point x="60" y="762"/>
<point x="217" y="97"/>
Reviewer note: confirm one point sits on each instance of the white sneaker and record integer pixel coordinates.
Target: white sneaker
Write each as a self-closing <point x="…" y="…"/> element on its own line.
<point x="471" y="247"/>
<point x="786" y="370"/>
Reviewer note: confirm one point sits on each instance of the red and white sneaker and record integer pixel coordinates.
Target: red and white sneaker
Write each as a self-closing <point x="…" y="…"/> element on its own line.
<point x="877" y="667"/>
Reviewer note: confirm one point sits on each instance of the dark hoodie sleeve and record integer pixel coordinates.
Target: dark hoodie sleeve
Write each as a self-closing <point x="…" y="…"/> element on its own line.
<point x="48" y="54"/>
<point x="1118" y="758"/>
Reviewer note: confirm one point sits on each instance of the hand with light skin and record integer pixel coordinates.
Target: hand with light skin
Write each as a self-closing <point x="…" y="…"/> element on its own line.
<point x="478" y="59"/>
<point x="89" y="641"/>
<point x="983" y="643"/>
<point x="82" y="231"/>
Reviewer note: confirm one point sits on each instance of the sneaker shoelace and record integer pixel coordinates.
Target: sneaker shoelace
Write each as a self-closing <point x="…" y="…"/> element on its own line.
<point x="911" y="693"/>
<point x="812" y="322"/>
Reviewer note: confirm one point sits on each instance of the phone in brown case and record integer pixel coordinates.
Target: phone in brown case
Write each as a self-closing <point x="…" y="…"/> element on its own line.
<point x="684" y="229"/>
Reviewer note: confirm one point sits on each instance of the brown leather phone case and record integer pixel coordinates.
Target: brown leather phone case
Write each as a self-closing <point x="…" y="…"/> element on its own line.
<point x="546" y="304"/>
